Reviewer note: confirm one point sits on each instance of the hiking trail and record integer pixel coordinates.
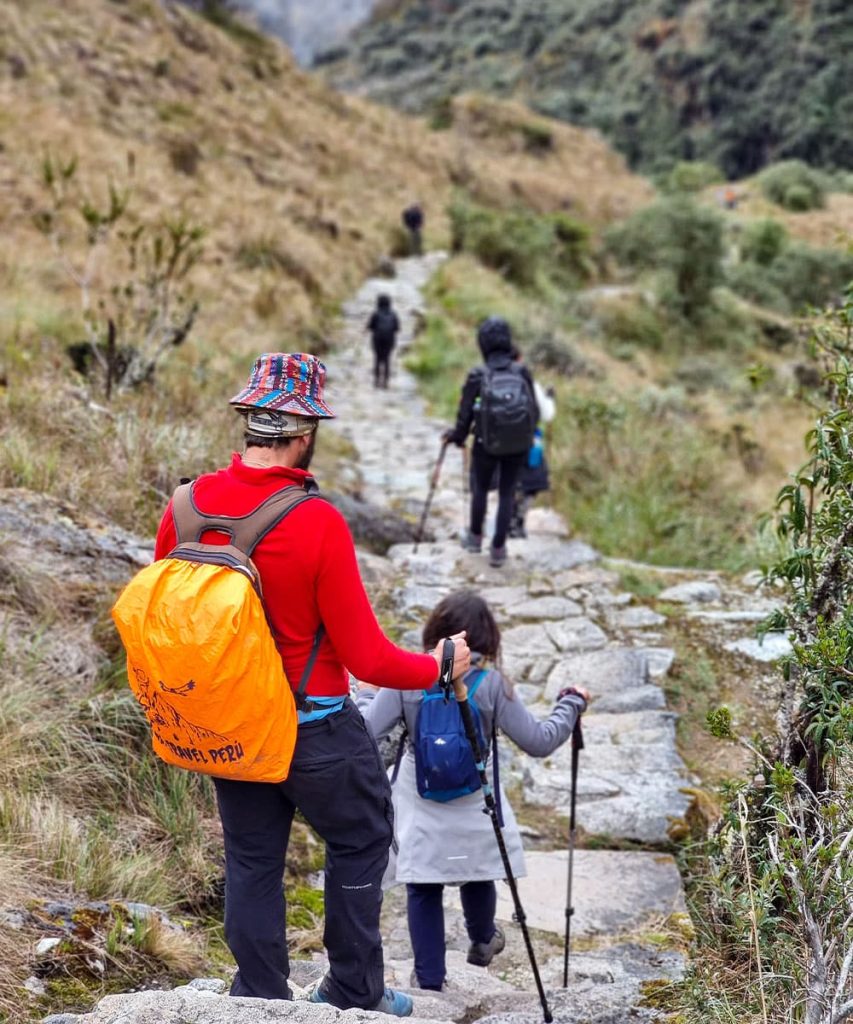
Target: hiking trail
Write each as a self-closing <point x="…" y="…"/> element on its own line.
<point x="564" y="621"/>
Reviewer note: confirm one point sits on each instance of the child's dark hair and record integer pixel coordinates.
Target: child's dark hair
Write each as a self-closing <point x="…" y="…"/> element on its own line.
<point x="464" y="609"/>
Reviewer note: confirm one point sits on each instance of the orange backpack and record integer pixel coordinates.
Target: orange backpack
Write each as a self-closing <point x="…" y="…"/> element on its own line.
<point x="201" y="659"/>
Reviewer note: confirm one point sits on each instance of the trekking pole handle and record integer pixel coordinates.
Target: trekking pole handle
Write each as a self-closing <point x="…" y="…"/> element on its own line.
<point x="445" y="676"/>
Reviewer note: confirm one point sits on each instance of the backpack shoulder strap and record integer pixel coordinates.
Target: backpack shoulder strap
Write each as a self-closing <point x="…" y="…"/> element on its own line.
<point x="246" y="531"/>
<point x="299" y="694"/>
<point x="482" y="673"/>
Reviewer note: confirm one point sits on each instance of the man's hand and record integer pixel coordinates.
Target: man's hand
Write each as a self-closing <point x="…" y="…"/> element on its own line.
<point x="461" y="655"/>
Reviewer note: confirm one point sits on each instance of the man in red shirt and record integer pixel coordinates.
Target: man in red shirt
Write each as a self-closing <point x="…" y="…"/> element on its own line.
<point x="315" y="602"/>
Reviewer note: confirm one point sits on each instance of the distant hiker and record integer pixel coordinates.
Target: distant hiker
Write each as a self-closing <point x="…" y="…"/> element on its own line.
<point x="413" y="220"/>
<point x="448" y="840"/>
<point x="316" y="605"/>
<point x="534" y="477"/>
<point x="384" y="327"/>
<point x="498" y="401"/>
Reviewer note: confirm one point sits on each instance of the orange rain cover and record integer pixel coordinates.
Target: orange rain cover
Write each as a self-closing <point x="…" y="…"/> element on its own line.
<point x="203" y="664"/>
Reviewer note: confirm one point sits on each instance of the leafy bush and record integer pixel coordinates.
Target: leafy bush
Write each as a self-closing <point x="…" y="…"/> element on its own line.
<point x="752" y="282"/>
<point x="763" y="241"/>
<point x="810" y="277"/>
<point x="692" y="176"/>
<point x="525" y="248"/>
<point x="794" y="186"/>
<point x="681" y="237"/>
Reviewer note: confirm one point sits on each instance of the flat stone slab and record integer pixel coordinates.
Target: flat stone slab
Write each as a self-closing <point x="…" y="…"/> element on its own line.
<point x="660" y="660"/>
<point x="630" y="778"/>
<point x="532" y="640"/>
<point x="613" y="891"/>
<point x="771" y="648"/>
<point x="603" y="672"/>
<point x="552" y="556"/>
<point x="692" y="592"/>
<point x="189" y="1006"/>
<point x="636" y="617"/>
<point x="546" y="607"/>
<point x="576" y="634"/>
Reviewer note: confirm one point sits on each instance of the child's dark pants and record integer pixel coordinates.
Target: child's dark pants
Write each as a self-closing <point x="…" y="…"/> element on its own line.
<point x="426" y="924"/>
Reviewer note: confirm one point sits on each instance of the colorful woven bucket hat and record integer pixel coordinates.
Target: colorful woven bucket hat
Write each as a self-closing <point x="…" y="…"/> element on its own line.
<point x="286" y="382"/>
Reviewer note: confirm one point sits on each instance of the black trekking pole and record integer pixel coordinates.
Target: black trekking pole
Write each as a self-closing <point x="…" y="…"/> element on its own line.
<point x="432" y="486"/>
<point x="577" y="747"/>
<point x="461" y="691"/>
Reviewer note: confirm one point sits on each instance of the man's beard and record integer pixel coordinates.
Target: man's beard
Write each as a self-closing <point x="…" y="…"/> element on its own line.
<point x="308" y="453"/>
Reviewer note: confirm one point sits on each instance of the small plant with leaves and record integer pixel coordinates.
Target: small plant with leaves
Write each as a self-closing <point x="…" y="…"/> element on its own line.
<point x="782" y="857"/>
<point x="133" y="276"/>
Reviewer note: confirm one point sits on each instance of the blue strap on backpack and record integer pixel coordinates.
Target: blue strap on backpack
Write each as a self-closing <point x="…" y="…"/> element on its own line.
<point x="444" y="762"/>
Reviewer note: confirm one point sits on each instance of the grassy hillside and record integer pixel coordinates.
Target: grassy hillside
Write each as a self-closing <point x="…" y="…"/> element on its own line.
<point x="123" y="127"/>
<point x="738" y="84"/>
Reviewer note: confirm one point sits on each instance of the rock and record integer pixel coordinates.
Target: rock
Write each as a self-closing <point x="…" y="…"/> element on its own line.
<point x="613" y="891"/>
<point x="44" y="946"/>
<point x="35" y="986"/>
<point x="546" y="521"/>
<point x="737" y="615"/>
<point x="547" y="607"/>
<point x="61" y="1018"/>
<point x="629" y="781"/>
<point x="577" y="634"/>
<point x="692" y="592"/>
<point x="660" y="660"/>
<point x="771" y="648"/>
<point x="552" y="556"/>
<point x="190" y="1007"/>
<point x="412" y="600"/>
<point x="215" y="985"/>
<point x="605" y="672"/>
<point x="375" y="570"/>
<point x="636" y="617"/>
<point x="371" y="525"/>
<point x="48" y="539"/>
<point x="12" y="919"/>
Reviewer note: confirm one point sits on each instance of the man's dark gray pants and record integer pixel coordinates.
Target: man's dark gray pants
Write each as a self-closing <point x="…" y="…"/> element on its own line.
<point x="338" y="782"/>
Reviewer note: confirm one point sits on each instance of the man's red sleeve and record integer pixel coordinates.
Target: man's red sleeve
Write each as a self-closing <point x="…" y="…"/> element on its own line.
<point x="166" y="535"/>
<point x="351" y="626"/>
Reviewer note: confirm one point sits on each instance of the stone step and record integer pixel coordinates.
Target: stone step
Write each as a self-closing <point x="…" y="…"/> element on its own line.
<point x="614" y="892"/>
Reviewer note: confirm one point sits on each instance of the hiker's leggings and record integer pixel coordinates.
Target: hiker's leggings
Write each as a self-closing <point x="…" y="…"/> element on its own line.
<point x="426" y="924"/>
<point x="483" y="467"/>
<point x="338" y="782"/>
<point x="381" y="363"/>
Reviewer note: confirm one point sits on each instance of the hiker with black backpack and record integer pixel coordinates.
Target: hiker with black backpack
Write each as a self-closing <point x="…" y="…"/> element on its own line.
<point x="442" y="835"/>
<point x="499" y="402"/>
<point x="316" y="611"/>
<point x="384" y="325"/>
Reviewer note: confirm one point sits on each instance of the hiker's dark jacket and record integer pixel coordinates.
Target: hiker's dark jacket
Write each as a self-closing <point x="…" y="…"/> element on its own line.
<point x="413" y="218"/>
<point x="495" y="343"/>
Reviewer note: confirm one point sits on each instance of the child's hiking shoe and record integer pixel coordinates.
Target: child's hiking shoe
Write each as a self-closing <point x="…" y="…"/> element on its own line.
<point x="472" y="542"/>
<point x="414" y="982"/>
<point x="497" y="556"/>
<point x="481" y="954"/>
<point x="398" y="1004"/>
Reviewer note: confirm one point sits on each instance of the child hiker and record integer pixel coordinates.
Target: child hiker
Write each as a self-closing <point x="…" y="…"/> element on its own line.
<point x="445" y="839"/>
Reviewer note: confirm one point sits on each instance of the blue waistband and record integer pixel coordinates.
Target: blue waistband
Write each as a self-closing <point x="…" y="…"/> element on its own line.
<point x="322" y="708"/>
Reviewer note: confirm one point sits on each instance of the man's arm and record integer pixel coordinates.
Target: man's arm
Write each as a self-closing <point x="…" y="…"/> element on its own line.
<point x="351" y="625"/>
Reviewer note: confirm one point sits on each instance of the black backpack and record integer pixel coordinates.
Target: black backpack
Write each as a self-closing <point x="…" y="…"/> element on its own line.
<point x="507" y="411"/>
<point x="384" y="326"/>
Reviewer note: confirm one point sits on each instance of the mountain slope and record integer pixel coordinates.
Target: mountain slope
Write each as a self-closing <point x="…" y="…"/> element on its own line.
<point x="737" y="84"/>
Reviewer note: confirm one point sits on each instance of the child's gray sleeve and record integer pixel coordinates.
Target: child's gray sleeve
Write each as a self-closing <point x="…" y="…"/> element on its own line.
<point x="537" y="737"/>
<point x="381" y="710"/>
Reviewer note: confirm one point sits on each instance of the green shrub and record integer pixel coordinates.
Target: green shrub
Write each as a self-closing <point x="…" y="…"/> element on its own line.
<point x="808" y="276"/>
<point x="525" y="248"/>
<point x="692" y="176"/>
<point x="794" y="185"/>
<point x="763" y="241"/>
<point x="753" y="282"/>
<point x="678" y="236"/>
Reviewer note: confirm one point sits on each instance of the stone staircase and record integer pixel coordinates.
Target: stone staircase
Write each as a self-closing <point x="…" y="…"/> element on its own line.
<point x="564" y="620"/>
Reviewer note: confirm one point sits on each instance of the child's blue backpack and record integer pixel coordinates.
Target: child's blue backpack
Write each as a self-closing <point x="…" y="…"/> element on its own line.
<point x="444" y="762"/>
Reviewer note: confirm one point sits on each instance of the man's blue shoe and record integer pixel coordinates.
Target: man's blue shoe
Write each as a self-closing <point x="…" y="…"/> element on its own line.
<point x="398" y="1004"/>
